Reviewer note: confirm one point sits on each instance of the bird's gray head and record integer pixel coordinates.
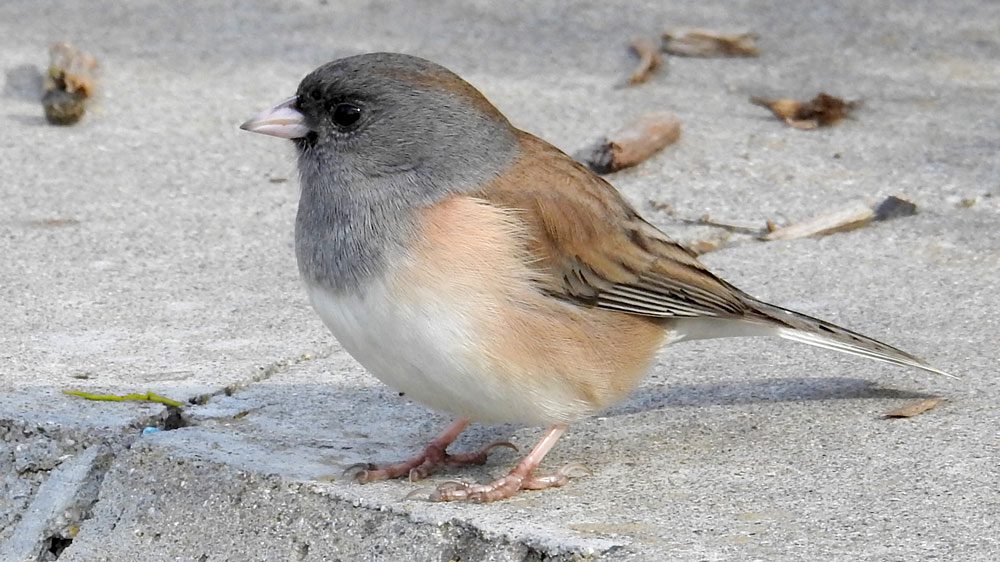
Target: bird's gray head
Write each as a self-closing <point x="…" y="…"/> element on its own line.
<point x="386" y="122"/>
<point x="380" y="136"/>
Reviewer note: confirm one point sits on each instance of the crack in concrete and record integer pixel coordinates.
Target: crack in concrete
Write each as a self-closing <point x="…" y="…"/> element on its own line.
<point x="264" y="372"/>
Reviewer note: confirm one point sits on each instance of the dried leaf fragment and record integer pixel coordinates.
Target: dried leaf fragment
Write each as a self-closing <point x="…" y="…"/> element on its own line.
<point x="650" y="60"/>
<point x="710" y="243"/>
<point x="821" y="111"/>
<point x="706" y="43"/>
<point x="850" y="217"/>
<point x="70" y="81"/>
<point x="894" y="207"/>
<point x="649" y="134"/>
<point x="914" y="408"/>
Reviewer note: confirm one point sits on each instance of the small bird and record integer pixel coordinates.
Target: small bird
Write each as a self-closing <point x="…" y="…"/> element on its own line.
<point x="485" y="273"/>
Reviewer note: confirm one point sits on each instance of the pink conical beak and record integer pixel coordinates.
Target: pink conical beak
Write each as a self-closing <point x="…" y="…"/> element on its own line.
<point x="282" y="120"/>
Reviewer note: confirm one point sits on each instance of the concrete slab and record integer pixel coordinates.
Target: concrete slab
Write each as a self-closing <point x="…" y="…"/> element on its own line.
<point x="741" y="449"/>
<point x="149" y="249"/>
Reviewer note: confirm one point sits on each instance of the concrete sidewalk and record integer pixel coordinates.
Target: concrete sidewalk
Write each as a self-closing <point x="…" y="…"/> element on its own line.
<point x="149" y="248"/>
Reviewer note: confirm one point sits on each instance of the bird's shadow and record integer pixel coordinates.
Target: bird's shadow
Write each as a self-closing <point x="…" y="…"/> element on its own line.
<point x="29" y="120"/>
<point x="23" y="82"/>
<point x="653" y="396"/>
<point x="773" y="390"/>
<point x="376" y="408"/>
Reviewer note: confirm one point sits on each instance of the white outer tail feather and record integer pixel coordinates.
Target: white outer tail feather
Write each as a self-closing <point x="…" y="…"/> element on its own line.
<point x="819" y="340"/>
<point x="784" y="323"/>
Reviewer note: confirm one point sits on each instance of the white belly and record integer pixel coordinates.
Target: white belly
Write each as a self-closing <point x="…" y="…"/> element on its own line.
<point x="427" y="350"/>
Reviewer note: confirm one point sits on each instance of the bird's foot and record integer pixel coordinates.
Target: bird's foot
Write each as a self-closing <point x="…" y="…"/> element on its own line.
<point x="508" y="486"/>
<point x="422" y="465"/>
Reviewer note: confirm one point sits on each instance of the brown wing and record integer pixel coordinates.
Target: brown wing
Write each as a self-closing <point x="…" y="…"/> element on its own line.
<point x="594" y="249"/>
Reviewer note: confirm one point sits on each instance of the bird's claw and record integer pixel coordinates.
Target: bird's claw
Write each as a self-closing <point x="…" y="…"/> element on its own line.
<point x="496" y="444"/>
<point x="358" y="471"/>
<point x="450" y="491"/>
<point x="422" y="465"/>
<point x="506" y="487"/>
<point x="418" y="493"/>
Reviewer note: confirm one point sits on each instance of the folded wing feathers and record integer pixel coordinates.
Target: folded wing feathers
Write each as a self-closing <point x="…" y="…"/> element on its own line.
<point x="648" y="303"/>
<point x="658" y="295"/>
<point x="643" y="271"/>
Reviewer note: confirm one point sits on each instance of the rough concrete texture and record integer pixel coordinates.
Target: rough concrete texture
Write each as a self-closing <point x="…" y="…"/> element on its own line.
<point x="149" y="249"/>
<point x="60" y="503"/>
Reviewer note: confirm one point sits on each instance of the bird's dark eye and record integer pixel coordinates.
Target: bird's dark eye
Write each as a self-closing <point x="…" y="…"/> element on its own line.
<point x="346" y="114"/>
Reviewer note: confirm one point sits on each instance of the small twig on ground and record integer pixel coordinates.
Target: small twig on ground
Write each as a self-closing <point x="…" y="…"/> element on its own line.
<point x="650" y="60"/>
<point x="705" y="43"/>
<point x="134" y="397"/>
<point x="855" y="215"/>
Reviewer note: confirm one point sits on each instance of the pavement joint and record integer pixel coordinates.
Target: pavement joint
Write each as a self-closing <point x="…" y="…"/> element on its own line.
<point x="264" y="373"/>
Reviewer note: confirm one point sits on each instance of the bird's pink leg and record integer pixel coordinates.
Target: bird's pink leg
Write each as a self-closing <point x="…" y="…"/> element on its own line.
<point x="521" y="478"/>
<point x="433" y="456"/>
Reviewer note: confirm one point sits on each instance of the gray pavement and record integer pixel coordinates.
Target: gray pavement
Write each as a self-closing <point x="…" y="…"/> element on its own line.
<point x="149" y="249"/>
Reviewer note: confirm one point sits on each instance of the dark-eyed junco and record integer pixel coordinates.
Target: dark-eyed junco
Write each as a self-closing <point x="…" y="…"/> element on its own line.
<point x="482" y="271"/>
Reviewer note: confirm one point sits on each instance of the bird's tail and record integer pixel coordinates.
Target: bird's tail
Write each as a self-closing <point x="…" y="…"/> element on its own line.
<point x="771" y="320"/>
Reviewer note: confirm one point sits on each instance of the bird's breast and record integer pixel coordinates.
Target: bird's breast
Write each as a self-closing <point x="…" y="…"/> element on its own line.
<point x="456" y="321"/>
